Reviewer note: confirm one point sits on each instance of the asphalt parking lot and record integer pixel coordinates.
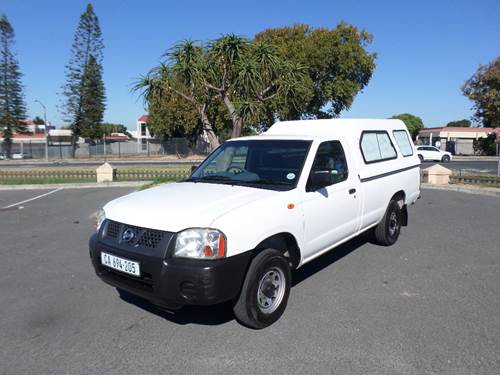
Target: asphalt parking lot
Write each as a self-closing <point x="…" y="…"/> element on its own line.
<point x="428" y="305"/>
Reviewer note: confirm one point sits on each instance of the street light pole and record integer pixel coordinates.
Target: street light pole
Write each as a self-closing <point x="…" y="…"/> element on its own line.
<point x="45" y="128"/>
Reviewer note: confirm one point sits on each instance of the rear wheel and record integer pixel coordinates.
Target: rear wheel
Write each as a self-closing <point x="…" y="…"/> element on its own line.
<point x="387" y="231"/>
<point x="264" y="295"/>
<point x="445" y="159"/>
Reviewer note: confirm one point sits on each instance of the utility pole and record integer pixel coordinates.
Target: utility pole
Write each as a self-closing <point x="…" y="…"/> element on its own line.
<point x="45" y="129"/>
<point x="498" y="154"/>
<point x="104" y="144"/>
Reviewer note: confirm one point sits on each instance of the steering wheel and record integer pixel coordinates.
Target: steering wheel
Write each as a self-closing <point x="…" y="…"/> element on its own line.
<point x="234" y="169"/>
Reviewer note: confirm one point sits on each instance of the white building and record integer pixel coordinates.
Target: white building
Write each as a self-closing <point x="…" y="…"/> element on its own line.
<point x="32" y="127"/>
<point x="457" y="140"/>
<point x="142" y="133"/>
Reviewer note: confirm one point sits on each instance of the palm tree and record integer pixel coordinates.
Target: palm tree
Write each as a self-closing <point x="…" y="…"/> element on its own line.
<point x="248" y="78"/>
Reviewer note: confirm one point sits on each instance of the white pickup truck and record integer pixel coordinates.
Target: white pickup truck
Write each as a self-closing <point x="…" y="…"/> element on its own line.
<point x="257" y="208"/>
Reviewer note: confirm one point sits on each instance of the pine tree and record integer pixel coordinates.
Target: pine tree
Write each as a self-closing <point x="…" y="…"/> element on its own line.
<point x="12" y="106"/>
<point x="92" y="100"/>
<point x="84" y="97"/>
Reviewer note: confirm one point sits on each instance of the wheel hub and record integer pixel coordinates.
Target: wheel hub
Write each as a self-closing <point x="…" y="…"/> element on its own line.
<point x="393" y="224"/>
<point x="271" y="290"/>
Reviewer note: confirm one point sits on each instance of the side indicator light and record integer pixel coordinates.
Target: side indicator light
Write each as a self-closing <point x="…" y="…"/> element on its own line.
<point x="222" y="246"/>
<point x="290" y="206"/>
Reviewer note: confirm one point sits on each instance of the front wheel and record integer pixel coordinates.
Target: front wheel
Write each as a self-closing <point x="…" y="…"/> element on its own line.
<point x="387" y="231"/>
<point x="264" y="295"/>
<point x="445" y="159"/>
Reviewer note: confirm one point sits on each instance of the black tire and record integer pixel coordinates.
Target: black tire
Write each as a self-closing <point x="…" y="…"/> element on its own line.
<point x="421" y="158"/>
<point x="388" y="230"/>
<point x="445" y="159"/>
<point x="258" y="286"/>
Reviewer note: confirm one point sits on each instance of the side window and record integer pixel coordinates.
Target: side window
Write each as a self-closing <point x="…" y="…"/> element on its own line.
<point x="403" y="142"/>
<point x="330" y="163"/>
<point x="376" y="146"/>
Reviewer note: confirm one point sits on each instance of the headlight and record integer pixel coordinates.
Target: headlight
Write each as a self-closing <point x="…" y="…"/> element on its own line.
<point x="100" y="217"/>
<point x="200" y="243"/>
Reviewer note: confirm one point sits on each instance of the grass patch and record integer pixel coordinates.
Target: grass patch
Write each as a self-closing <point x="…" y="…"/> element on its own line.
<point x="158" y="181"/>
<point x="169" y="168"/>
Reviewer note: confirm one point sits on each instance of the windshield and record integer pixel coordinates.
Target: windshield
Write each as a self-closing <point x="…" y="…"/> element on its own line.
<point x="269" y="164"/>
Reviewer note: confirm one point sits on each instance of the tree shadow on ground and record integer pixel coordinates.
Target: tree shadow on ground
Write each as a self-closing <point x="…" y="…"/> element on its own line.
<point x="223" y="312"/>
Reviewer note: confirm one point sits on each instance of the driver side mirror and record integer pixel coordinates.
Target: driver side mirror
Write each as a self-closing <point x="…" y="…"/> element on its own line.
<point x="319" y="179"/>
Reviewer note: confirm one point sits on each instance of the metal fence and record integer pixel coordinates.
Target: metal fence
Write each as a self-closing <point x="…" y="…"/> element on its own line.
<point x="20" y="176"/>
<point x="486" y="180"/>
<point x="179" y="147"/>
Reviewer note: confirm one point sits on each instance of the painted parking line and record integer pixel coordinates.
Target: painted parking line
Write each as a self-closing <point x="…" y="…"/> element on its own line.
<point x="32" y="199"/>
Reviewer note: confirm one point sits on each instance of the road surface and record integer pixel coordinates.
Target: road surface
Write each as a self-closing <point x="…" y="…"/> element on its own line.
<point x="427" y="305"/>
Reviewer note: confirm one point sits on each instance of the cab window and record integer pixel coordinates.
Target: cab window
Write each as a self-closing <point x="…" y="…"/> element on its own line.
<point x="329" y="166"/>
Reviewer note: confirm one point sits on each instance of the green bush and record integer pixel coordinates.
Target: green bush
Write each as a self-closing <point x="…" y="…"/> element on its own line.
<point x="485" y="146"/>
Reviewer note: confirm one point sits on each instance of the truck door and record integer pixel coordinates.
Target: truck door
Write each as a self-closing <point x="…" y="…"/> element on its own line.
<point x="332" y="201"/>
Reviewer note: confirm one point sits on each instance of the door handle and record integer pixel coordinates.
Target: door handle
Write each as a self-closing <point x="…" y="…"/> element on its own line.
<point x="352" y="191"/>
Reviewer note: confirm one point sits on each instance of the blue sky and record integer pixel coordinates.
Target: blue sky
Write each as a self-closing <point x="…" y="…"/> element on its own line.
<point x="426" y="49"/>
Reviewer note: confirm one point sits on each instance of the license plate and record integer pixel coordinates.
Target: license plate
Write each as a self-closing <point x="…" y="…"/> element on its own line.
<point x="120" y="264"/>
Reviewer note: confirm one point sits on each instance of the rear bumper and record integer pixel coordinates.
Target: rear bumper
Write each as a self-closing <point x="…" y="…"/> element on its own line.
<point x="174" y="282"/>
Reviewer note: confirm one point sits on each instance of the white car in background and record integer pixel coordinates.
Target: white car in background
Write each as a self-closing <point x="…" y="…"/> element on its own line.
<point x="433" y="153"/>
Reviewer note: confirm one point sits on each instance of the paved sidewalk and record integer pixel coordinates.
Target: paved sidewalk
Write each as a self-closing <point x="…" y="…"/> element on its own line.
<point x="145" y="160"/>
<point x="474" y="158"/>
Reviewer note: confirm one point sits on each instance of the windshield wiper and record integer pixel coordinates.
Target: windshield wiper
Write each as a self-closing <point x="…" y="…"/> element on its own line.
<point x="215" y="178"/>
<point x="265" y="181"/>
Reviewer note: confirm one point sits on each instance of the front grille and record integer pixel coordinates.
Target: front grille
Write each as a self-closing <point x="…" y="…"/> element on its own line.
<point x="113" y="229"/>
<point x="150" y="238"/>
<point x="144" y="237"/>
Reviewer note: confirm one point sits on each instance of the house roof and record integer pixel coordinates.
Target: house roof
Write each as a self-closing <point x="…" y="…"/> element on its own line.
<point x="117" y="136"/>
<point x="143" y="118"/>
<point x="456" y="129"/>
<point x="25" y="137"/>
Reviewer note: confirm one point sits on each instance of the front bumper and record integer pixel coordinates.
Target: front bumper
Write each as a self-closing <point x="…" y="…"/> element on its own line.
<point x="173" y="282"/>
